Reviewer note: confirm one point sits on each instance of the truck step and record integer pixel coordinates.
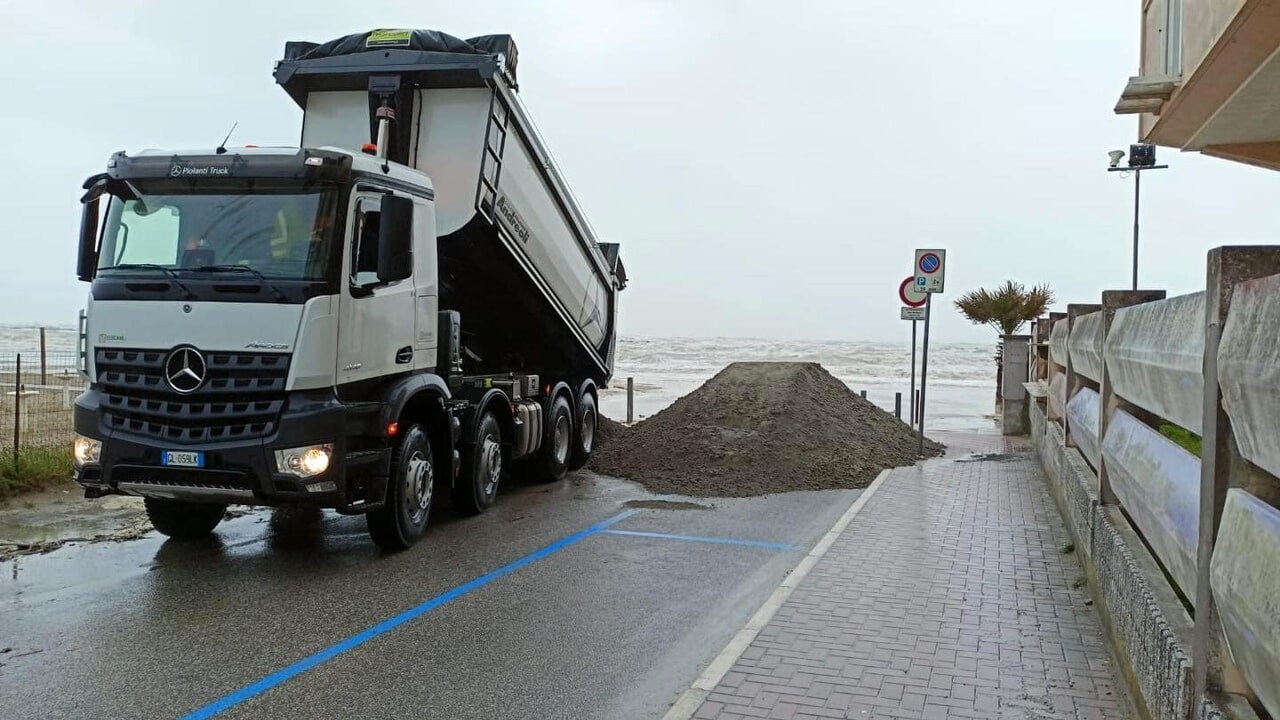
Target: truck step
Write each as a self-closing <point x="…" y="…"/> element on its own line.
<point x="361" y="508"/>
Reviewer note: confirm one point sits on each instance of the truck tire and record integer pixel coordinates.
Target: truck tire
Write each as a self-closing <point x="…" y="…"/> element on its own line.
<point x="477" y="488"/>
<point x="553" y="459"/>
<point x="401" y="522"/>
<point x="584" y="436"/>
<point x="184" y="520"/>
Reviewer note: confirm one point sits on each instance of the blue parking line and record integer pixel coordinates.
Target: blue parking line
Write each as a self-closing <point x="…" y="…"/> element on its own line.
<point x="699" y="538"/>
<point x="287" y="673"/>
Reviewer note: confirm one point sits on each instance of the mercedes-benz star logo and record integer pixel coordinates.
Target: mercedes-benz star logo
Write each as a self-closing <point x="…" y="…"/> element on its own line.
<point x="185" y="370"/>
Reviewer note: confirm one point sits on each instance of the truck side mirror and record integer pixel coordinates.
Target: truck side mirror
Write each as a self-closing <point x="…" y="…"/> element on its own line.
<point x="87" y="263"/>
<point x="395" y="239"/>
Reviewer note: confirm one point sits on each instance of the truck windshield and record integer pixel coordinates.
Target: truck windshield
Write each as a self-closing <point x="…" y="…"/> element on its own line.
<point x="282" y="232"/>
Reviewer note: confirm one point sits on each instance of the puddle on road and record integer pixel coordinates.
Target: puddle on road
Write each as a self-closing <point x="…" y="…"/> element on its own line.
<point x="989" y="457"/>
<point x="666" y="505"/>
<point x="17" y="540"/>
<point x="17" y="534"/>
<point x="44" y="521"/>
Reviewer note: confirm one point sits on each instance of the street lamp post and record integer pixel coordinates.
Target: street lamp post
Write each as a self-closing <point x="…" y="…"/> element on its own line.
<point x="1141" y="157"/>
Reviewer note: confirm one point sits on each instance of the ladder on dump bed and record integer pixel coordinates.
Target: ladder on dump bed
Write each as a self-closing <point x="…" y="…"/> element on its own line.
<point x="495" y="143"/>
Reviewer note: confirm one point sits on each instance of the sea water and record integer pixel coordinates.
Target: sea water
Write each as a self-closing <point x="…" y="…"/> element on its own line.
<point x="961" y="388"/>
<point x="961" y="392"/>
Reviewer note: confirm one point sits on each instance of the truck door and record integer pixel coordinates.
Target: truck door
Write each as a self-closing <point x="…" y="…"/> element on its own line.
<point x="376" y="323"/>
<point x="425" y="281"/>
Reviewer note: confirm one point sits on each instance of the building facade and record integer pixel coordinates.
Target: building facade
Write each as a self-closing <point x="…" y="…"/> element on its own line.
<point x="1209" y="78"/>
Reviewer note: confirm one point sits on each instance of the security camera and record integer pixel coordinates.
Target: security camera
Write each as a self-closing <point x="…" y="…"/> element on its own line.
<point x="1142" y="155"/>
<point x="1115" y="156"/>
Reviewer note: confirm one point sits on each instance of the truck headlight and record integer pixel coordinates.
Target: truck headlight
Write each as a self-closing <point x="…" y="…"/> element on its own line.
<point x="304" y="462"/>
<point x="86" y="451"/>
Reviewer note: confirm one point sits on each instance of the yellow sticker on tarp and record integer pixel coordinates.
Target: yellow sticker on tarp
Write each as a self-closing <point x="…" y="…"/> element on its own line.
<point x="389" y="38"/>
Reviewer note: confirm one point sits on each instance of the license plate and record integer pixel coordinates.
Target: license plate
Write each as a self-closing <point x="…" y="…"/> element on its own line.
<point x="175" y="458"/>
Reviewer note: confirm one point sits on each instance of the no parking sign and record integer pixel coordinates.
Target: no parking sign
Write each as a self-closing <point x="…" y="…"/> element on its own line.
<point x="930" y="270"/>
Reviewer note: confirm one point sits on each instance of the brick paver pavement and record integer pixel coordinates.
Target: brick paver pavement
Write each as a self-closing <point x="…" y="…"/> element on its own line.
<point x="948" y="596"/>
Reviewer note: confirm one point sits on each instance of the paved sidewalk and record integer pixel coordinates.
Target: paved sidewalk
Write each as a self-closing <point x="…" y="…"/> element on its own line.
<point x="949" y="595"/>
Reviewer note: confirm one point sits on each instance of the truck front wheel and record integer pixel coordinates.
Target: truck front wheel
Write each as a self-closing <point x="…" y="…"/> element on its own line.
<point x="476" y="490"/>
<point x="184" y="520"/>
<point x="402" y="520"/>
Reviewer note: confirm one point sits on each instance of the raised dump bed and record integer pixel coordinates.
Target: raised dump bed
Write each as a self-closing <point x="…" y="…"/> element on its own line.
<point x="517" y="257"/>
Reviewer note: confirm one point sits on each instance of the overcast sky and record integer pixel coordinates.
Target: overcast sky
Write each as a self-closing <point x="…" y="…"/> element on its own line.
<point x="769" y="167"/>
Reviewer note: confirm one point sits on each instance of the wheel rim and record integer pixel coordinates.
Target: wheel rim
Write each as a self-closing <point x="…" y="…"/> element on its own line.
<point x="588" y="431"/>
<point x="418" y="482"/>
<point x="491" y="459"/>
<point x="562" y="439"/>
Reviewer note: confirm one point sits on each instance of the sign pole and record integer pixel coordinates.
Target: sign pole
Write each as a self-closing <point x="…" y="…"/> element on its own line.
<point x="913" y="371"/>
<point x="924" y="373"/>
<point x="913" y="301"/>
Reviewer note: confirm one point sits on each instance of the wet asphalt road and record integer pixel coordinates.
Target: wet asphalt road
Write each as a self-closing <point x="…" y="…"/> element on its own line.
<point x="601" y="625"/>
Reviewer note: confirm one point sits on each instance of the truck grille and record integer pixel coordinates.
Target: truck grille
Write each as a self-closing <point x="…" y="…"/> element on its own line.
<point x="241" y="397"/>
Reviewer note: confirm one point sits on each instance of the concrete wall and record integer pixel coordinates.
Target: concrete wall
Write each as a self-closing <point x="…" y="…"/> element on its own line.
<point x="1158" y="484"/>
<point x="1085" y="345"/>
<point x="1155" y="356"/>
<point x="1082" y="419"/>
<point x="1058" y="395"/>
<point x="1246" y="586"/>
<point x="1058" y="343"/>
<point x="1076" y="500"/>
<point x="1161" y="529"/>
<point x="1249" y="370"/>
<point x="1151" y="631"/>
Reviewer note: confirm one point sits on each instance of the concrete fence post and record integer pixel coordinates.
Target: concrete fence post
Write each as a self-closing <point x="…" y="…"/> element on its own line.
<point x="1074" y="382"/>
<point x="1014" y="355"/>
<point x="1052" y="370"/>
<point x="1108" y="401"/>
<point x="1031" y="354"/>
<point x="1221" y="465"/>
<point x="1040" y="345"/>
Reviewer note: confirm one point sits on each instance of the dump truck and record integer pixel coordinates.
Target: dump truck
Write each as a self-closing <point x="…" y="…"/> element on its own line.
<point x="411" y="301"/>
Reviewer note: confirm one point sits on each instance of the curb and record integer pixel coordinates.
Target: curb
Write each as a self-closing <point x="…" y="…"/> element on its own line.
<point x="690" y="700"/>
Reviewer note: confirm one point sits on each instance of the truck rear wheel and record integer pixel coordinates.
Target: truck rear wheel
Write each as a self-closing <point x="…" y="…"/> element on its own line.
<point x="552" y="462"/>
<point x="184" y="520"/>
<point x="584" y="439"/>
<point x="400" y="522"/>
<point x="476" y="490"/>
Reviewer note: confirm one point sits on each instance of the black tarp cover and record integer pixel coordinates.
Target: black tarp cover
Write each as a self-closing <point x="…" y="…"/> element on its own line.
<point x="421" y="40"/>
<point x="426" y="40"/>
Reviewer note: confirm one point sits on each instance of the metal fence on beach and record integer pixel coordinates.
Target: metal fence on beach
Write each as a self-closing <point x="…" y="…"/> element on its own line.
<point x="37" y="393"/>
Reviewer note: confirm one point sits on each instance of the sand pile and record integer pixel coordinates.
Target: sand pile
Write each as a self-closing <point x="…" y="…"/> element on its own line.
<point x="607" y="430"/>
<point x="760" y="428"/>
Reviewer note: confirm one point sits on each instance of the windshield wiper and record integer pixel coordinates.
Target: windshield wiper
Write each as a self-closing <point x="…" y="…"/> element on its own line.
<point x="152" y="266"/>
<point x="275" y="291"/>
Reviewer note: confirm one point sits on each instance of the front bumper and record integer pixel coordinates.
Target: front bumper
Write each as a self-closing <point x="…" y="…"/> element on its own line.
<point x="243" y="471"/>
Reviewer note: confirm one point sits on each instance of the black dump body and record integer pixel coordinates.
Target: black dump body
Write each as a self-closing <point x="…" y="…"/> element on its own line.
<point x="502" y="331"/>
